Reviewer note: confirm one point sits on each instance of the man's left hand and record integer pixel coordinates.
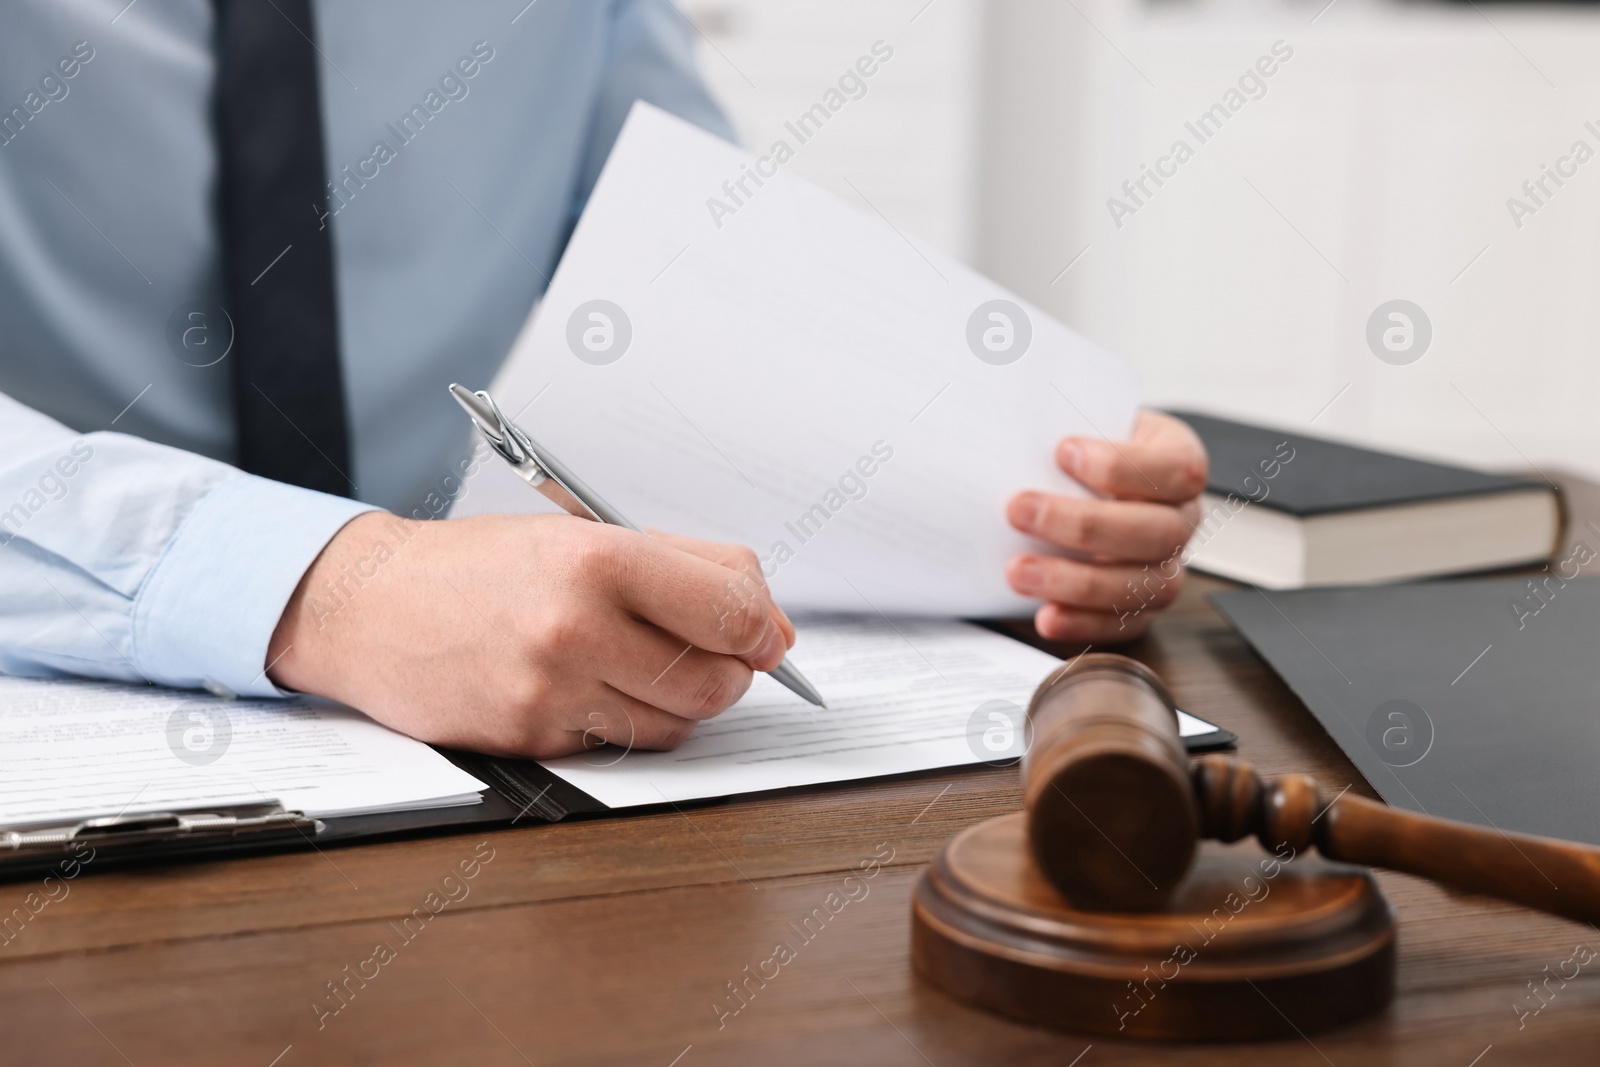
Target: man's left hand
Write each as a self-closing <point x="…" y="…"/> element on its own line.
<point x="1126" y="544"/>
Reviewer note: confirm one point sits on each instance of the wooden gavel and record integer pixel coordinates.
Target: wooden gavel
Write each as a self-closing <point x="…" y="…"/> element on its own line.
<point x="1115" y="810"/>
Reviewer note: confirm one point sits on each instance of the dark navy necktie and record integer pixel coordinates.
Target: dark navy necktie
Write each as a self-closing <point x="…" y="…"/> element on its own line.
<point x="278" y="271"/>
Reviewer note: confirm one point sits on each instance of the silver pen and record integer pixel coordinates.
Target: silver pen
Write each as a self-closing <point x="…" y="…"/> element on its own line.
<point x="535" y="465"/>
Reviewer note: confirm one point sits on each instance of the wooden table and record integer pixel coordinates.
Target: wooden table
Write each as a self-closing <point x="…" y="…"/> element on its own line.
<point x="618" y="941"/>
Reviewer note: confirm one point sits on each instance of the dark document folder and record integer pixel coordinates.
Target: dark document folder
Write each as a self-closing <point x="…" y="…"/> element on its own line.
<point x="1470" y="700"/>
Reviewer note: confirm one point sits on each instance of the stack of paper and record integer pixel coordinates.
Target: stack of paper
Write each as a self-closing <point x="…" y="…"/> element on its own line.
<point x="903" y="695"/>
<point x="74" y="750"/>
<point x="797" y="375"/>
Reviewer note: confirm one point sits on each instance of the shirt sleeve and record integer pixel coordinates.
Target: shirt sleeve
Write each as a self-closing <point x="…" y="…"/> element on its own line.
<point x="125" y="559"/>
<point x="650" y="57"/>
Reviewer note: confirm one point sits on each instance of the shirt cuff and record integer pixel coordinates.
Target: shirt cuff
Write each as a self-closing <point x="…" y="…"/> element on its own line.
<point x="206" y="613"/>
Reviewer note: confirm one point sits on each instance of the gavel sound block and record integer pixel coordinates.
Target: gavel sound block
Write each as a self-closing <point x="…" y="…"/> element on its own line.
<point x="1098" y="908"/>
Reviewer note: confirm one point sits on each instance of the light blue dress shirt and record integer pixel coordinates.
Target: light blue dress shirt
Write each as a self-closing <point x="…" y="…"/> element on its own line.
<point x="462" y="139"/>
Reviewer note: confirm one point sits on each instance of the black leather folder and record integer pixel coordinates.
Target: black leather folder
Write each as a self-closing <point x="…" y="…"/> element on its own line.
<point x="1475" y="700"/>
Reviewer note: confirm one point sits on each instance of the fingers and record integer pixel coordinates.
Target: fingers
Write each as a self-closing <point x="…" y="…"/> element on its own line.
<point x="656" y="688"/>
<point x="705" y="604"/>
<point x="1110" y="529"/>
<point x="671" y="674"/>
<point x="624" y="724"/>
<point x="1163" y="461"/>
<point x="1106" y="588"/>
<point x="1057" y="623"/>
<point x="646" y="689"/>
<point x="1147" y="510"/>
<point x="540" y="728"/>
<point x="734" y="557"/>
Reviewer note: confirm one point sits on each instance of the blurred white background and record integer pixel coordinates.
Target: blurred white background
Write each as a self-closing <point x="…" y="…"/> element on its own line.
<point x="1377" y="165"/>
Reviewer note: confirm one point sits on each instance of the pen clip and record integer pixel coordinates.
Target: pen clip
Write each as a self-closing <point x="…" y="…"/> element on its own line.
<point x="501" y="433"/>
<point x="518" y="449"/>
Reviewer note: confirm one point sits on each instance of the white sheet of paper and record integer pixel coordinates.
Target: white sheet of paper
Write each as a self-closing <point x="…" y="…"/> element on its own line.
<point x="71" y="750"/>
<point x="903" y="695"/>
<point x="796" y="376"/>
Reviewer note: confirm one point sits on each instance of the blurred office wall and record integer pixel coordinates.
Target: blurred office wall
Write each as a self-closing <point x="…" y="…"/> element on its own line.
<point x="1377" y="162"/>
<point x="906" y="146"/>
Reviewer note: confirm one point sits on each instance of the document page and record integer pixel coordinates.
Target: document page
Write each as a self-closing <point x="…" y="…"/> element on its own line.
<point x="72" y="750"/>
<point x="751" y="359"/>
<point x="903" y="695"/>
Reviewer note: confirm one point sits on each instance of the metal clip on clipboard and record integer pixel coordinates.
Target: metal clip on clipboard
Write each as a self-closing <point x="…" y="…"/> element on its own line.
<point x="117" y="834"/>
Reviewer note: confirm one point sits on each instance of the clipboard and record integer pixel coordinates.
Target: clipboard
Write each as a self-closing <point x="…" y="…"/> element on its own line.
<point x="519" y="791"/>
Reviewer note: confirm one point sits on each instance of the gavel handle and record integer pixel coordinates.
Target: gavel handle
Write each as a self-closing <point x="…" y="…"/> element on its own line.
<point x="1559" y="877"/>
<point x="1554" y="876"/>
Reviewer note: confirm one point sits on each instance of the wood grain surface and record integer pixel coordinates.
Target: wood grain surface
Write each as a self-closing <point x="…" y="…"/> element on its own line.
<point x="618" y="941"/>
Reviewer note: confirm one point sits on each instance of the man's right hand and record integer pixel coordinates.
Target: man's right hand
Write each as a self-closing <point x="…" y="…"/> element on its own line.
<point x="533" y="636"/>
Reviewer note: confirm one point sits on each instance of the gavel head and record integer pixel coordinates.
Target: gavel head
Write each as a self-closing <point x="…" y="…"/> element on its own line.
<point x="1112" y="816"/>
